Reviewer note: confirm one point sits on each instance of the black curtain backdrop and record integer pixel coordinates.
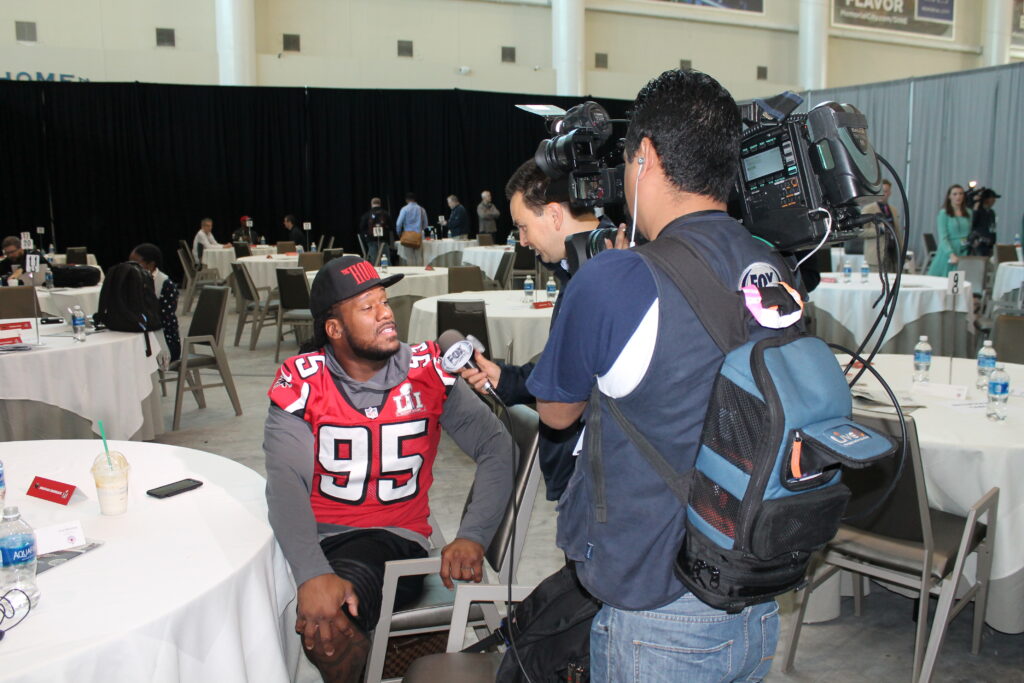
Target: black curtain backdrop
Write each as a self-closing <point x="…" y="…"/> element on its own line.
<point x="109" y="166"/>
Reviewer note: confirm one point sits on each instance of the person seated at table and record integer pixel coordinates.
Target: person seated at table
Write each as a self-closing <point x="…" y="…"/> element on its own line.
<point x="544" y="222"/>
<point x="295" y="232"/>
<point x="953" y="225"/>
<point x="458" y="219"/>
<point x="244" y="233"/>
<point x="12" y="267"/>
<point x="204" y="237"/>
<point x="350" y="441"/>
<point x="152" y="258"/>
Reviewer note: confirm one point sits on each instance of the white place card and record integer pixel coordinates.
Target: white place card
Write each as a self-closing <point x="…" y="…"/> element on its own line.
<point x="954" y="392"/>
<point x="50" y="539"/>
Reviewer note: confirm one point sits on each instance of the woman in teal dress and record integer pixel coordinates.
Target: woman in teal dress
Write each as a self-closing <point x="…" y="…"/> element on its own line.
<point x="952" y="227"/>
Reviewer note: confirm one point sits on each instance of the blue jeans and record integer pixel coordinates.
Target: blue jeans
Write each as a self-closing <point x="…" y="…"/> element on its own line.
<point x="683" y="641"/>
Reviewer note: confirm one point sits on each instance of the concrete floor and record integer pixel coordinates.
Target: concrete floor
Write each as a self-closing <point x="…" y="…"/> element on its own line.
<point x="877" y="646"/>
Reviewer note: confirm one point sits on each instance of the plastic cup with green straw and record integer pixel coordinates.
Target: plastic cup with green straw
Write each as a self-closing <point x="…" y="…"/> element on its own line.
<point x="103" y="435"/>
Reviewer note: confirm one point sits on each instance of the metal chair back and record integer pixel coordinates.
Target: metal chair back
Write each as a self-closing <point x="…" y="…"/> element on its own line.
<point x="293" y="288"/>
<point x="333" y="253"/>
<point x="311" y="261"/>
<point x="525" y="258"/>
<point x="285" y="247"/>
<point x="242" y="249"/>
<point x="77" y="256"/>
<point x="468" y="317"/>
<point x="485" y="239"/>
<point x="465" y="279"/>
<point x="401" y="306"/>
<point x="330" y="243"/>
<point x="1006" y="252"/>
<point x="243" y="280"/>
<point x="503" y="275"/>
<point x="1008" y="338"/>
<point x="208" y="318"/>
<point x="18" y="302"/>
<point x="976" y="268"/>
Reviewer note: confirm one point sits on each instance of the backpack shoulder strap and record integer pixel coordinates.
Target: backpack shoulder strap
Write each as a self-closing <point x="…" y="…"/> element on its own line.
<point x="719" y="310"/>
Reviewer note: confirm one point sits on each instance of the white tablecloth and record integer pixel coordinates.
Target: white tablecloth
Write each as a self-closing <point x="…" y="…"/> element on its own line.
<point x="850" y="305"/>
<point x="1009" y="277"/>
<point x="189" y="588"/>
<point x="430" y="249"/>
<point x="221" y="258"/>
<point x="417" y="281"/>
<point x="509" y="318"/>
<point x="107" y="377"/>
<point x="62" y="259"/>
<point x="488" y="258"/>
<point x="964" y="455"/>
<point x="262" y="269"/>
<point x="57" y="301"/>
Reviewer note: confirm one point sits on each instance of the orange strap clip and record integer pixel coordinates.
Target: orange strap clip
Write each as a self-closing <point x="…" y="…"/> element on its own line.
<point x="794" y="458"/>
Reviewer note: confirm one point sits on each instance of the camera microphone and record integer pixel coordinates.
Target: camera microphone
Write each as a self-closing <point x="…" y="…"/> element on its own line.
<point x="457" y="354"/>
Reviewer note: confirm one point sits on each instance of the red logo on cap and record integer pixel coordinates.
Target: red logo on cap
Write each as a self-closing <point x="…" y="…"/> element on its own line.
<point x="361" y="272"/>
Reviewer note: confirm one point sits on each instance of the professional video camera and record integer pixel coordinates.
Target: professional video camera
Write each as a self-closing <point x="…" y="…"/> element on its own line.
<point x="804" y="177"/>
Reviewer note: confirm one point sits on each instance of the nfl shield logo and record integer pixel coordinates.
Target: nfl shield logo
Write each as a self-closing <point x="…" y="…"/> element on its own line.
<point x="371" y="412"/>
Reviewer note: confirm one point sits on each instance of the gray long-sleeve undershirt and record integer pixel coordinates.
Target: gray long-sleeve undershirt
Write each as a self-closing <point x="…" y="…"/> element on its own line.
<point x="288" y="446"/>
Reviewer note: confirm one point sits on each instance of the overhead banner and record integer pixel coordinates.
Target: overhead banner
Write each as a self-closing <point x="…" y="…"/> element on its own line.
<point x="1018" y="23"/>
<point x="932" y="18"/>
<point x="738" y="5"/>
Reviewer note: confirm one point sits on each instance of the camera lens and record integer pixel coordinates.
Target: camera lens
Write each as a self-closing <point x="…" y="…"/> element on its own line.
<point x="557" y="156"/>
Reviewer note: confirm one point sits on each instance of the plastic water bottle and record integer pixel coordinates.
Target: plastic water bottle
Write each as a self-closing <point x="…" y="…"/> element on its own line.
<point x="1016" y="240"/>
<point x="552" y="289"/>
<point x="263" y="240"/>
<point x="78" y="323"/>
<point x="18" y="549"/>
<point x="986" y="364"/>
<point x="998" y="393"/>
<point x="865" y="271"/>
<point x="922" y="359"/>
<point x="50" y="250"/>
<point x="49" y="279"/>
<point x="3" y="485"/>
<point x="312" y="248"/>
<point x="847" y="272"/>
<point x="510" y="241"/>
<point x="298" y="249"/>
<point x="384" y="263"/>
<point x="528" y="289"/>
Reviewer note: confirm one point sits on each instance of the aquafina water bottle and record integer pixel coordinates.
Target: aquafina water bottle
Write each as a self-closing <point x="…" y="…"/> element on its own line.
<point x="510" y="240"/>
<point x="998" y="393"/>
<point x="552" y="289"/>
<point x="922" y="359"/>
<point x="986" y="364"/>
<point x="78" y="323"/>
<point x="847" y="272"/>
<point x="865" y="271"/>
<point x="18" y="549"/>
<point x="528" y="289"/>
<point x="384" y="263"/>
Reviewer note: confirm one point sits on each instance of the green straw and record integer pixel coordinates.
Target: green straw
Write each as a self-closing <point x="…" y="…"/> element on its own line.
<point x="103" y="435"/>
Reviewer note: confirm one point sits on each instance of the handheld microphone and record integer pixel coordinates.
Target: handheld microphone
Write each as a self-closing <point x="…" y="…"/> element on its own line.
<point x="457" y="353"/>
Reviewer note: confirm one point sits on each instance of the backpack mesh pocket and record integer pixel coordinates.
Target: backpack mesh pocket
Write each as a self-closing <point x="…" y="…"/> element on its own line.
<point x="734" y="424"/>
<point x="714" y="504"/>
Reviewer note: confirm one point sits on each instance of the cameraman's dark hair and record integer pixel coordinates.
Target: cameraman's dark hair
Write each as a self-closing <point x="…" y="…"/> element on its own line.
<point x="319" y="339"/>
<point x="694" y="125"/>
<point x="150" y="253"/>
<point x="410" y="196"/>
<point x="533" y="183"/>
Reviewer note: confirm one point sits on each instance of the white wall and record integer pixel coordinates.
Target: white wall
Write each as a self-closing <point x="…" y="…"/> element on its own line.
<point x="352" y="43"/>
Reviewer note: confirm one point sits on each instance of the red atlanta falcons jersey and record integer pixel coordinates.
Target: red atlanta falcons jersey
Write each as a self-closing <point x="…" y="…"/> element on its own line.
<point x="371" y="467"/>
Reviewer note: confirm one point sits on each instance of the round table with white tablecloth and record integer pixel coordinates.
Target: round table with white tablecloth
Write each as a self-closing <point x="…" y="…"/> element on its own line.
<point x="844" y="313"/>
<point x="188" y="588"/>
<point x="1009" y="276"/>
<point x="262" y="268"/>
<point x="418" y="280"/>
<point x="221" y="258"/>
<point x="64" y="387"/>
<point x="488" y="258"/>
<point x="509" y="318"/>
<point x="430" y="249"/>
<point x="58" y="300"/>
<point x="964" y="455"/>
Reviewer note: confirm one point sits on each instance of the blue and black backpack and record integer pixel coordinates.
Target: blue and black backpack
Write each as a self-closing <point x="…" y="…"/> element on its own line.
<point x="766" y="490"/>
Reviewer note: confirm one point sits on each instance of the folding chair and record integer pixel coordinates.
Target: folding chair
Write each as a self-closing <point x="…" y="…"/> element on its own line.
<point x="18" y="302"/>
<point x="1008" y="338"/>
<point x="330" y="254"/>
<point x="194" y="280"/>
<point x="1005" y="252"/>
<point x="465" y="279"/>
<point x="930" y="247"/>
<point x="525" y="263"/>
<point x="252" y="303"/>
<point x="77" y="256"/>
<point x="205" y="330"/>
<point x="285" y="247"/>
<point x="468" y="317"/>
<point x="908" y="543"/>
<point x="503" y="275"/>
<point x="433" y="610"/>
<point x="310" y="261"/>
<point x="485" y="239"/>
<point x="320" y="244"/>
<point x="242" y="249"/>
<point x="401" y="306"/>
<point x="293" y="305"/>
<point x="330" y="243"/>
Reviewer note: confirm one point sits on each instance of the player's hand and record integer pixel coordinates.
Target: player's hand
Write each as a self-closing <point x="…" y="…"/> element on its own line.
<point x="486" y="372"/>
<point x="953" y="258"/>
<point x="319" y="609"/>
<point x="462" y="560"/>
<point x="621" y="241"/>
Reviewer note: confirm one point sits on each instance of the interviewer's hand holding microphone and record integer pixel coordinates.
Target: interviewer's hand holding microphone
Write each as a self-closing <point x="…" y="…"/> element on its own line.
<point x="485" y="372"/>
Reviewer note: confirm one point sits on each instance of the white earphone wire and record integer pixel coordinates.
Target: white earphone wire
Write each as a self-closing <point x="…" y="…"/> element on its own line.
<point x="636" y="188"/>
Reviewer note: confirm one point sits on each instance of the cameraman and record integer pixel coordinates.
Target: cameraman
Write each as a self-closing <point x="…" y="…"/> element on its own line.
<point x="626" y="328"/>
<point x="369" y="223"/>
<point x="982" y="239"/>
<point x="543" y="226"/>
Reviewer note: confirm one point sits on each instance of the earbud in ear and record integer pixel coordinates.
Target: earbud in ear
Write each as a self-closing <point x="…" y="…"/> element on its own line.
<point x="640" y="160"/>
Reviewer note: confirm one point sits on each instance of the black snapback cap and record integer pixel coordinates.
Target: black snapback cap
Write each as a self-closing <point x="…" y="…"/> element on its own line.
<point x="342" y="278"/>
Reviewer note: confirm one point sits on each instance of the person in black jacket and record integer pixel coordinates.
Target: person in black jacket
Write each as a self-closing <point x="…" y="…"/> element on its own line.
<point x="295" y="232"/>
<point x="458" y="221"/>
<point x="543" y="226"/>
<point x="376" y="228"/>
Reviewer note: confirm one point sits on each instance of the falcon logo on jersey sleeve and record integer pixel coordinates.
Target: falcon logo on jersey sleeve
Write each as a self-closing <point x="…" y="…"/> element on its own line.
<point x="284" y="380"/>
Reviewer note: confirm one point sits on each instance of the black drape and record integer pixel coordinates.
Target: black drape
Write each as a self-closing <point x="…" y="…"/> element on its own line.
<point x="111" y="165"/>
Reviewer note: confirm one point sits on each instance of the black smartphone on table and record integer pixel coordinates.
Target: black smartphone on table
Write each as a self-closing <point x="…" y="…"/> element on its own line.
<point x="174" y="489"/>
